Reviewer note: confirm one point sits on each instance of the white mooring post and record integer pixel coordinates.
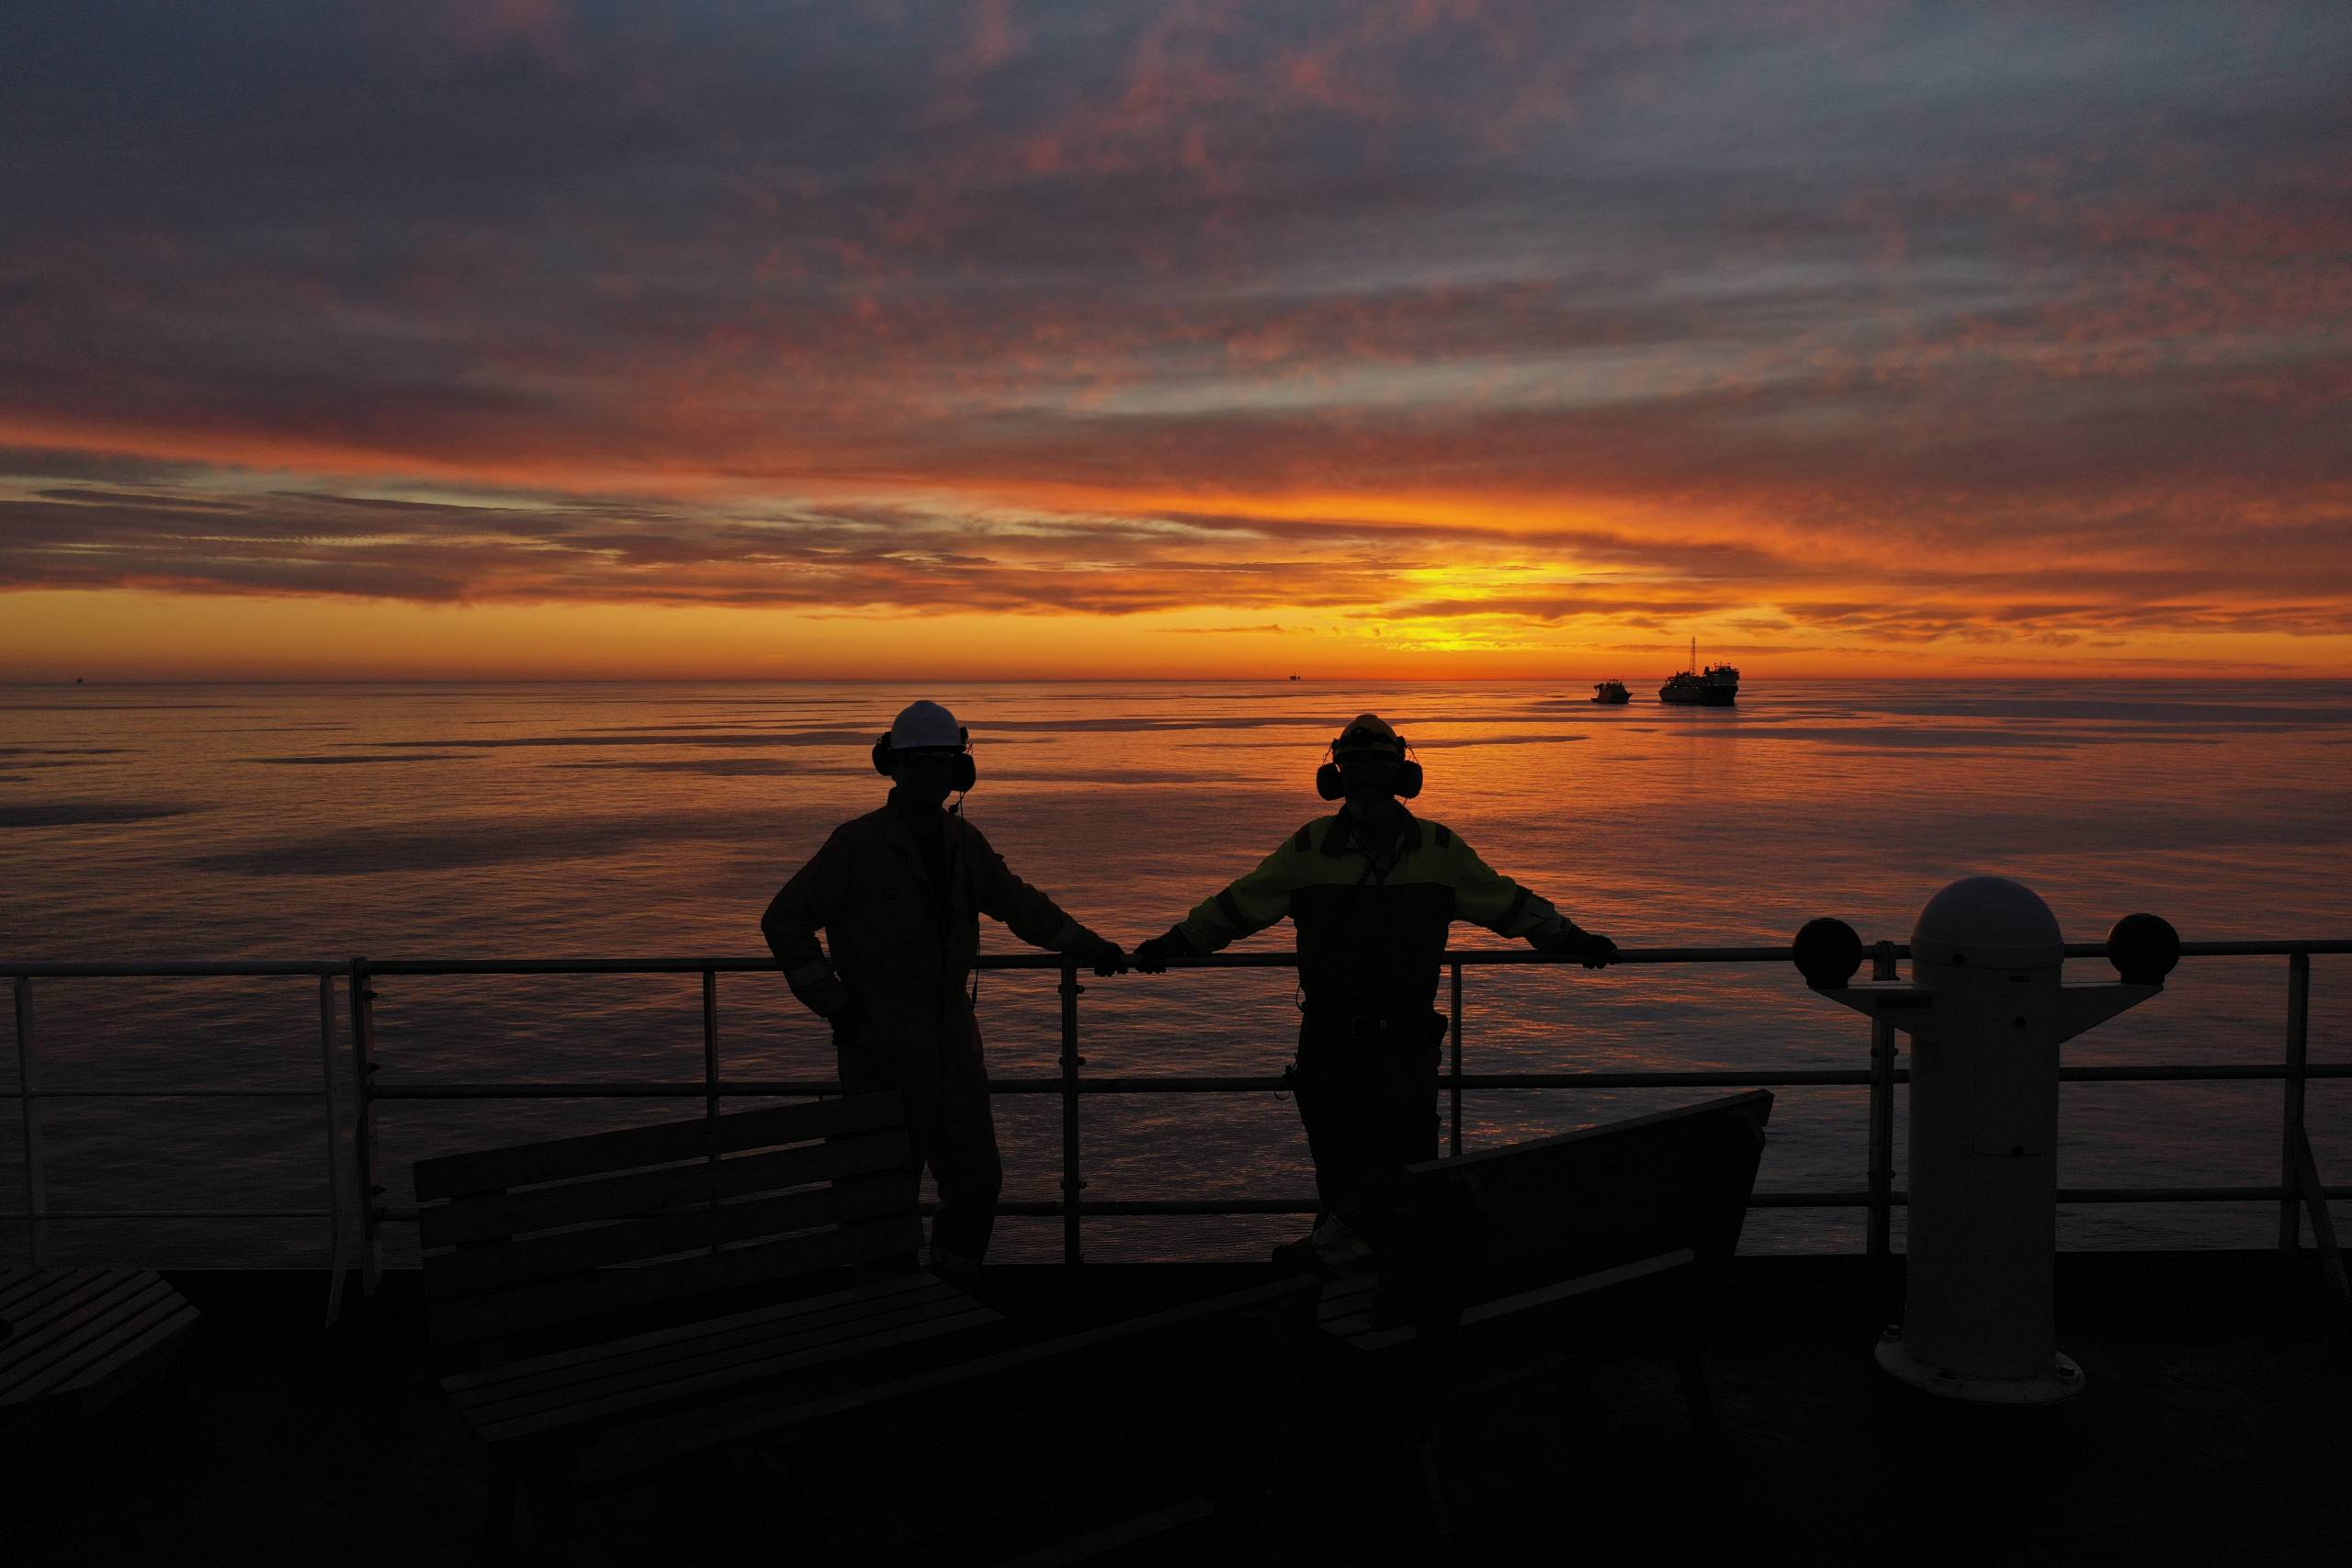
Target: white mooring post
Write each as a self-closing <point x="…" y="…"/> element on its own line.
<point x="1986" y="1012"/>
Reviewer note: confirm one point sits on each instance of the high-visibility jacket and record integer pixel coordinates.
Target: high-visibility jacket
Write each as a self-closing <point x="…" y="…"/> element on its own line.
<point x="1371" y="929"/>
<point x="903" y="954"/>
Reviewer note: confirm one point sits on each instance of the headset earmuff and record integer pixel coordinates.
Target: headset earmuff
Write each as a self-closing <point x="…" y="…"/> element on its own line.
<point x="882" y="756"/>
<point x="1329" y="784"/>
<point x="1409" y="773"/>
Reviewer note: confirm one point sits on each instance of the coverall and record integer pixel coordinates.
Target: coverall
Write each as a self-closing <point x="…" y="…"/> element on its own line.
<point x="1372" y="932"/>
<point x="903" y="948"/>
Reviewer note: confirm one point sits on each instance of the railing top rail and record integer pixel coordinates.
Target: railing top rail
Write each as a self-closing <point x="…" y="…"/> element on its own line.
<point x="233" y="968"/>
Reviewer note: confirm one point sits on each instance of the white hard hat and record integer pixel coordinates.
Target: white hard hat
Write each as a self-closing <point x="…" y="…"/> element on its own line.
<point x="1368" y="732"/>
<point x="924" y="724"/>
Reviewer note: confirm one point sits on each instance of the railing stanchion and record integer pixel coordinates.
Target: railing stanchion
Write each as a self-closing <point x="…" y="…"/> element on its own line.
<point x="1454" y="1140"/>
<point x="2291" y="1137"/>
<point x="363" y="1125"/>
<point x="28" y="1099"/>
<point x="710" y="1044"/>
<point x="1072" y="1249"/>
<point x="1879" y="1229"/>
<point x="710" y="1087"/>
<point x="330" y="1092"/>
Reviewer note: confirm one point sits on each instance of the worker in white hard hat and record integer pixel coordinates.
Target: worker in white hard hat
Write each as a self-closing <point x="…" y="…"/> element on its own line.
<point x="898" y="893"/>
<point x="1372" y="892"/>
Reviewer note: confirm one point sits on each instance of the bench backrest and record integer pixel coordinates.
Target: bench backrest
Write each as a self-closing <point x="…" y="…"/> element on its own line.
<point x="544" y="1233"/>
<point x="1078" y="1431"/>
<point x="1482" y="1226"/>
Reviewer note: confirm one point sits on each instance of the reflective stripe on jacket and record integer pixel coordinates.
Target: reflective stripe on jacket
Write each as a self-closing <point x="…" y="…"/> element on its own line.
<point x="903" y="966"/>
<point x="1369" y="934"/>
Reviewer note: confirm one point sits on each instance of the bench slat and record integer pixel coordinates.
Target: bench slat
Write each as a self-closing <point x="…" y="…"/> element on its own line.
<point x="1100" y="1543"/>
<point x="21" y="1288"/>
<point x="641" y="1193"/>
<point x="1356" y="1331"/>
<point x="534" y="1379"/>
<point x="120" y="1329"/>
<point x="702" y="1430"/>
<point x="654" y="1372"/>
<point x="1506" y="1220"/>
<point x="812" y="1309"/>
<point x="49" y="1312"/>
<point x="596" y="1154"/>
<point x="1756" y="1102"/>
<point x="181" y="1318"/>
<point x="35" y="1360"/>
<point x="1353" y="1294"/>
<point x="474" y="1270"/>
<point x="600" y="1291"/>
<point x="1276" y="1297"/>
<point x="571" y="1417"/>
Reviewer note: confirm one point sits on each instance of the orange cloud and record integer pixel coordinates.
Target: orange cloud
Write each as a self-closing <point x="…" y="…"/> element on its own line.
<point x="1506" y="330"/>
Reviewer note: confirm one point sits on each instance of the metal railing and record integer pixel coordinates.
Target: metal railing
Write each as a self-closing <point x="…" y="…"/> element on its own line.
<point x="2298" y="1191"/>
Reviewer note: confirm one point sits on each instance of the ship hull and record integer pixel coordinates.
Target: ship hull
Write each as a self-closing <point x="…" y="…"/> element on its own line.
<point x="1705" y="698"/>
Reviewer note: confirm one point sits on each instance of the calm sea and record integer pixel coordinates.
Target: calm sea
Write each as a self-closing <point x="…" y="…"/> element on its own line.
<point x="198" y="822"/>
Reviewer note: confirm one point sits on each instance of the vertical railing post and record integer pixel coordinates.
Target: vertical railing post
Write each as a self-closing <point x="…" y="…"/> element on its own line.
<point x="28" y="1090"/>
<point x="1072" y="1185"/>
<point x="363" y="1125"/>
<point x="710" y="1088"/>
<point x="1455" y="1139"/>
<point x="2290" y="1138"/>
<point x="330" y="1094"/>
<point x="1879" y="1231"/>
<point x="710" y="1046"/>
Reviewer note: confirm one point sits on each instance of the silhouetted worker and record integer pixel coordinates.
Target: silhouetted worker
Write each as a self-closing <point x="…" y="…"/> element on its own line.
<point x="1372" y="892"/>
<point x="898" y="893"/>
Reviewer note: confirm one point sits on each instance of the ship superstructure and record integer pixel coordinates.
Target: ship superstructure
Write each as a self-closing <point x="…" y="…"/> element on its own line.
<point x="1717" y="686"/>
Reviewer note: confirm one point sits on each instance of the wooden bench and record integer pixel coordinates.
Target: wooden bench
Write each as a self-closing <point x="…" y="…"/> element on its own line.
<point x="77" y="1340"/>
<point x="669" y="1247"/>
<point x="1138" y="1435"/>
<point x="1542" y="1256"/>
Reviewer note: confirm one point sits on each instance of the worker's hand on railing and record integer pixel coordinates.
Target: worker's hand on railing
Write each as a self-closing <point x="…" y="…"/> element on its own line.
<point x="1105" y="957"/>
<point x="1152" y="954"/>
<point x="1593" y="950"/>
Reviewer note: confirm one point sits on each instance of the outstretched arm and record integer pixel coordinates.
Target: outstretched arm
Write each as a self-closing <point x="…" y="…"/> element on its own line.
<point x="804" y="906"/>
<point x="1032" y="916"/>
<point x="1244" y="907"/>
<point x="1487" y="897"/>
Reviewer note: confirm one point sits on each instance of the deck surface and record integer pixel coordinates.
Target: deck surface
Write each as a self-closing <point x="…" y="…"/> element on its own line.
<point x="2213" y="1429"/>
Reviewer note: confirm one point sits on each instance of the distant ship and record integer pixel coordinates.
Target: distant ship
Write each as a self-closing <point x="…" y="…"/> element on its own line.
<point x="1611" y="691"/>
<point x="1715" y="687"/>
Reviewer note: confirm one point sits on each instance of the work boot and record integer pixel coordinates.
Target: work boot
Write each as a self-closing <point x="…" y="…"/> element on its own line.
<point x="954" y="1268"/>
<point x="1330" y="1251"/>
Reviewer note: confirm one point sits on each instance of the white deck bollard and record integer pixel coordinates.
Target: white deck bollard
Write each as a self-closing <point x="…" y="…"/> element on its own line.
<point x="1986" y="1012"/>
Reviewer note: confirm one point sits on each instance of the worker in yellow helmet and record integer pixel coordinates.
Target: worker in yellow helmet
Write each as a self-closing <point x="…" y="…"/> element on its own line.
<point x="1372" y="892"/>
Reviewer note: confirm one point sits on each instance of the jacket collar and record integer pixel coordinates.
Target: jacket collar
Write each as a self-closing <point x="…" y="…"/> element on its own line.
<point x="893" y="826"/>
<point x="1339" y="839"/>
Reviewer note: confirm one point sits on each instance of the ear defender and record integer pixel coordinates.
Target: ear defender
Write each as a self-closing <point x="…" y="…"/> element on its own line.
<point x="1408" y="780"/>
<point x="882" y="756"/>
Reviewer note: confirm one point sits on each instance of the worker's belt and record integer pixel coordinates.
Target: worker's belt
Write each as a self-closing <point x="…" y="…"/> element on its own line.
<point x="1418" y="1027"/>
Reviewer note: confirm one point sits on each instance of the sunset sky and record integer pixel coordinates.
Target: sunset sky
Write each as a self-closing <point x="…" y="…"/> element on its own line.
<point x="1417" y="339"/>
